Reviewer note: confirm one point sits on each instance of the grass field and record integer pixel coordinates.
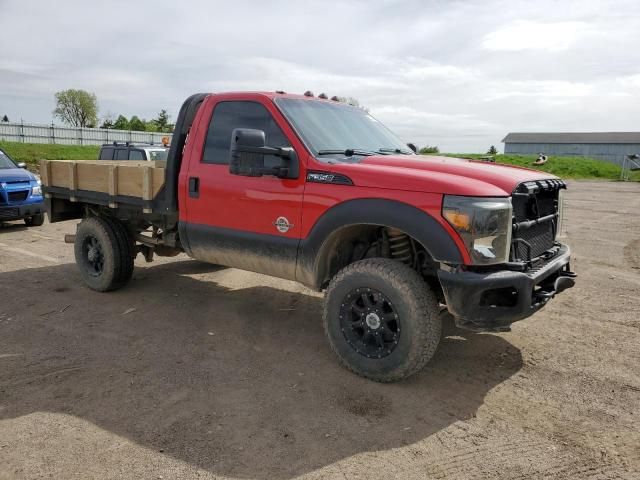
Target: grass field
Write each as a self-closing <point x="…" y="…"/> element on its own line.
<point x="31" y="153"/>
<point x="564" y="167"/>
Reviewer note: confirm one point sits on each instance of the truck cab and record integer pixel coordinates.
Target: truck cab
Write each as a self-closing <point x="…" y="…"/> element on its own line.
<point x="320" y="192"/>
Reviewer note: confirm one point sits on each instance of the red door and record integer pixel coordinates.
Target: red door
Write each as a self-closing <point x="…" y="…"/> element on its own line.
<point x="252" y="223"/>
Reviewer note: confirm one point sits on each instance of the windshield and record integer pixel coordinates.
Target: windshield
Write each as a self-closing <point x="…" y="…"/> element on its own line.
<point x="5" y="161"/>
<point x="333" y="128"/>
<point x="158" y="154"/>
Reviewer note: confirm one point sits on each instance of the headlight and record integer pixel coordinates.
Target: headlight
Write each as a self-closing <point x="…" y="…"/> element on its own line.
<point x="37" y="190"/>
<point x="484" y="224"/>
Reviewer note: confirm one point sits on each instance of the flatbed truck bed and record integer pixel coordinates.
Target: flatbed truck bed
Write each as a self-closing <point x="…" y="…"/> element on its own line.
<point x="104" y="182"/>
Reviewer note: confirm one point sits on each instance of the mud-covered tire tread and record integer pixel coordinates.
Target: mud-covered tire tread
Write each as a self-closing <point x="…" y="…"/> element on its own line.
<point x="109" y="280"/>
<point x="126" y="247"/>
<point x="422" y="305"/>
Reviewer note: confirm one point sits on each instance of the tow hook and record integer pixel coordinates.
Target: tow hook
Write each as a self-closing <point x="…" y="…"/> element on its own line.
<point x="566" y="279"/>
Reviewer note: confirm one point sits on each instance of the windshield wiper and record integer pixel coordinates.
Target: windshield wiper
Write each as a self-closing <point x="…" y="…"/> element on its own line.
<point x="395" y="150"/>
<point x="349" y="152"/>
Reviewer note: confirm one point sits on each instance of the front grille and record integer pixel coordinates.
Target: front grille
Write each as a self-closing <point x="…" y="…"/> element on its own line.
<point x="539" y="239"/>
<point x="19" y="196"/>
<point x="535" y="209"/>
<point x="8" y="213"/>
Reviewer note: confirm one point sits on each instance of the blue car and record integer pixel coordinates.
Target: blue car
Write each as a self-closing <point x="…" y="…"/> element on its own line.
<point x="20" y="193"/>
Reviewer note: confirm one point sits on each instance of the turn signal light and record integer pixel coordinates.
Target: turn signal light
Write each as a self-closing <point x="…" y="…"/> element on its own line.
<point x="460" y="221"/>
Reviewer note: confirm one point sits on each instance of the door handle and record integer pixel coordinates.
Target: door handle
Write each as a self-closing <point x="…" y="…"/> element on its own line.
<point x="194" y="187"/>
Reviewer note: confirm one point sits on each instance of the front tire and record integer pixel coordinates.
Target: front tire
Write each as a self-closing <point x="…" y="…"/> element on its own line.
<point x="381" y="319"/>
<point x="35" y="220"/>
<point x="98" y="254"/>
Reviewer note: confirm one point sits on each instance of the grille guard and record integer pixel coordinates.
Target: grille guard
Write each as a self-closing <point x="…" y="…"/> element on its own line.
<point x="535" y="221"/>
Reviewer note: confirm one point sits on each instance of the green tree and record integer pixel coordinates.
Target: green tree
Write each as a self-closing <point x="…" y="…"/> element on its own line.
<point x="107" y="121"/>
<point x="162" y="121"/>
<point x="121" y="123"/>
<point x="136" y="124"/>
<point x="427" y="150"/>
<point x="78" y="108"/>
<point x="5" y="118"/>
<point x="151" y="126"/>
<point x="492" y="150"/>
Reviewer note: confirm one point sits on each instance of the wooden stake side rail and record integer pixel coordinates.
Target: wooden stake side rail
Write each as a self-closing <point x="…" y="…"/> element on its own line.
<point x="141" y="179"/>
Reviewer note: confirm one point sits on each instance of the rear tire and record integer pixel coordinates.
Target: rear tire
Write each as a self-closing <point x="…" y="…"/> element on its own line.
<point x="98" y="254"/>
<point x="35" y="220"/>
<point x="127" y="247"/>
<point x="381" y="319"/>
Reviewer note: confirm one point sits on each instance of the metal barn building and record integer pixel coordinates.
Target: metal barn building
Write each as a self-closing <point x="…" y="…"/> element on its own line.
<point x="607" y="146"/>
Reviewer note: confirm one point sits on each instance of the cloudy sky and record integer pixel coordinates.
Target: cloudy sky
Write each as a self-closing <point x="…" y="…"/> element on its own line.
<point x="457" y="74"/>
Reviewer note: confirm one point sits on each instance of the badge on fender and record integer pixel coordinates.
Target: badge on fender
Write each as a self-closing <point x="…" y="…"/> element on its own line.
<point x="282" y="224"/>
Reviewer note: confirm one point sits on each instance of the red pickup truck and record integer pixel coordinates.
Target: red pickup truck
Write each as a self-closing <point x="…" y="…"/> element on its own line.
<point x="317" y="191"/>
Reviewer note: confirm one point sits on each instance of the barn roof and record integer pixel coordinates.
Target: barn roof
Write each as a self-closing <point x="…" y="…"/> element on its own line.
<point x="573" y="137"/>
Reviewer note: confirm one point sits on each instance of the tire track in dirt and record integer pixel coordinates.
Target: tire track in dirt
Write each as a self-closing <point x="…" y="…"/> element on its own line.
<point x="631" y="253"/>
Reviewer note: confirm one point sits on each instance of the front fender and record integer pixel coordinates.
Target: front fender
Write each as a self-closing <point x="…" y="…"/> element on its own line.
<point x="313" y="251"/>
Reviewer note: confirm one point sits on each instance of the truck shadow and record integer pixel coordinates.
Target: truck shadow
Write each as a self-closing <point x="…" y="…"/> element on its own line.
<point x="239" y="382"/>
<point x="12" y="226"/>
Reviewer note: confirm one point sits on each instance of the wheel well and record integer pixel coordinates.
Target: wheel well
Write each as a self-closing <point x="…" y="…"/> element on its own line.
<point x="356" y="242"/>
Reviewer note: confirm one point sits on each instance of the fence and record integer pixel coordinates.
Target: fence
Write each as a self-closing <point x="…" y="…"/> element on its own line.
<point x="33" y="133"/>
<point x="631" y="164"/>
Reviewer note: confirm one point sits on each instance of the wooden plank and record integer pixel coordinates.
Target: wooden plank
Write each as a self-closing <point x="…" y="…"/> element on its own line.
<point x="146" y="187"/>
<point x="158" y="180"/>
<point x="59" y="174"/>
<point x="45" y="172"/>
<point x="130" y="181"/>
<point x="92" y="177"/>
<point x="73" y="180"/>
<point x="146" y="183"/>
<point x="113" y="184"/>
<point x="45" y="175"/>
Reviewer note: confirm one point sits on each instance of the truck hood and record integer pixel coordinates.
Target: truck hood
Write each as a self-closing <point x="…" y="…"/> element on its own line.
<point x="435" y="174"/>
<point x="15" y="175"/>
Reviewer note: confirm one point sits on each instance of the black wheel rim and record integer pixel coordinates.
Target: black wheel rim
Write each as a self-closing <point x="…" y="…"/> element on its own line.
<point x="93" y="256"/>
<point x="370" y="323"/>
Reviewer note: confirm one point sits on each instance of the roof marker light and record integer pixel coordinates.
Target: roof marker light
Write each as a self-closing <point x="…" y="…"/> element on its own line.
<point x="308" y="93"/>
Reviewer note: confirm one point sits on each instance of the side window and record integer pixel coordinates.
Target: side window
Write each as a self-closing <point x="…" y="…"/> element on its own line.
<point x="136" y="155"/>
<point x="106" y="153"/>
<point x="122" y="154"/>
<point x="228" y="116"/>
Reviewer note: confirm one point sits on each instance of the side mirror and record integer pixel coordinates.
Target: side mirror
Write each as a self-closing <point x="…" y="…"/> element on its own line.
<point x="22" y="165"/>
<point x="247" y="156"/>
<point x="412" y="147"/>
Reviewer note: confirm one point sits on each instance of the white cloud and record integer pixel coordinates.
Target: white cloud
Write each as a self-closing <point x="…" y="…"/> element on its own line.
<point x="539" y="89"/>
<point x="629" y="81"/>
<point x="457" y="74"/>
<point x="528" y="35"/>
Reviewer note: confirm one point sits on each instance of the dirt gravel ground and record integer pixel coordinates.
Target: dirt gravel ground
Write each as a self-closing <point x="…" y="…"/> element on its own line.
<point x="198" y="372"/>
